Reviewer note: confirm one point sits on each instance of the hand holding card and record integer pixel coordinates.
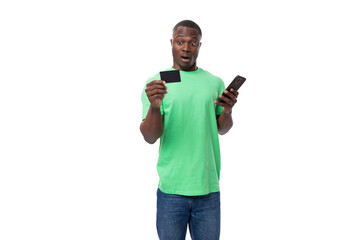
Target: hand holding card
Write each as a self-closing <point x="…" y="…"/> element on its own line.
<point x="155" y="91"/>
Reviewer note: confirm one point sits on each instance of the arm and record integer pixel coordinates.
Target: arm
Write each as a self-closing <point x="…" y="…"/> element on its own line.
<point x="224" y="121"/>
<point x="152" y="126"/>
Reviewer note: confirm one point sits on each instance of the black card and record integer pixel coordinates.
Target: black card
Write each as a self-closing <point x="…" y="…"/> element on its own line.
<point x="170" y="76"/>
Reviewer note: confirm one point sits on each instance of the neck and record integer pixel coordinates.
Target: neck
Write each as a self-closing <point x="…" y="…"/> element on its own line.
<point x="190" y="69"/>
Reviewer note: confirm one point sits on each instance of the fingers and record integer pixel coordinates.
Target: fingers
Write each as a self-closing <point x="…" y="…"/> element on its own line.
<point x="155" y="82"/>
<point x="232" y="94"/>
<point x="155" y="91"/>
<point x="229" y="98"/>
<point x="156" y="87"/>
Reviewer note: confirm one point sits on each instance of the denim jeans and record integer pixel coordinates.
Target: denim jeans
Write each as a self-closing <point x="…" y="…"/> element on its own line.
<point x="175" y="212"/>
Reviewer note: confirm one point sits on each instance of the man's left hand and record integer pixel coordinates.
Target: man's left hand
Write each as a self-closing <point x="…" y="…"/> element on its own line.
<point x="229" y="101"/>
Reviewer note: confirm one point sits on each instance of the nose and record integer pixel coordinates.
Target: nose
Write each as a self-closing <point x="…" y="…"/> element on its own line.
<point x="186" y="47"/>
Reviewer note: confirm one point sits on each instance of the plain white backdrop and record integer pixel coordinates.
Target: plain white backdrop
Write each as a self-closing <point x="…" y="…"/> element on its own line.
<point x="73" y="164"/>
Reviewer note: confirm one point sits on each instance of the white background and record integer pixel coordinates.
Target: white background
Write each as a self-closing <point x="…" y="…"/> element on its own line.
<point x="74" y="164"/>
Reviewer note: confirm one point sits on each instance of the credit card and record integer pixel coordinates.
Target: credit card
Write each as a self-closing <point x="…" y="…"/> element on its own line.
<point x="170" y="76"/>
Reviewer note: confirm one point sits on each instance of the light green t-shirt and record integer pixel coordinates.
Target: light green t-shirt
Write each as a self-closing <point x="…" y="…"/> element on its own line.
<point x="189" y="152"/>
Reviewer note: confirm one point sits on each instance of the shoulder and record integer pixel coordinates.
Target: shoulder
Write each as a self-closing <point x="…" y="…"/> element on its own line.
<point x="212" y="77"/>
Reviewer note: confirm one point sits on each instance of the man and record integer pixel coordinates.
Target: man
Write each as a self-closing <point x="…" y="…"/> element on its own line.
<point x="187" y="117"/>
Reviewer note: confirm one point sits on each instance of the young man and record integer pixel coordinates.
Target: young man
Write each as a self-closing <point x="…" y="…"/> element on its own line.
<point x="187" y="117"/>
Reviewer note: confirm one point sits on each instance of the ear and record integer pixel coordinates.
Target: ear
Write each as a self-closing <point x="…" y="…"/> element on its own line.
<point x="171" y="42"/>
<point x="200" y="44"/>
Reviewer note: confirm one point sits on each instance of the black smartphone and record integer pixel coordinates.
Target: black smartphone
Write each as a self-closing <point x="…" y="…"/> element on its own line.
<point x="170" y="76"/>
<point x="235" y="84"/>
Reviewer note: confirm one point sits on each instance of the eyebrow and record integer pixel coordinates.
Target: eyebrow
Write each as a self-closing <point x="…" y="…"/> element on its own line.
<point x="182" y="35"/>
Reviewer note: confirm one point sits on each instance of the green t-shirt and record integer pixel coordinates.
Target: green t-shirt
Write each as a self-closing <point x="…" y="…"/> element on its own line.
<point x="189" y="152"/>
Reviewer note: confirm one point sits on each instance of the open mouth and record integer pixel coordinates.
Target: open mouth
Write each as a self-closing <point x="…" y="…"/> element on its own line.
<point x="185" y="58"/>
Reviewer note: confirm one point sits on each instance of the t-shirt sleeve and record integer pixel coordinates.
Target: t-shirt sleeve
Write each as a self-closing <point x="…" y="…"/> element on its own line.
<point x="146" y="103"/>
<point x="221" y="89"/>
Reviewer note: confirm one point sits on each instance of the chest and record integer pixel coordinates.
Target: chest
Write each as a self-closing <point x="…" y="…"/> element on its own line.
<point x="191" y="94"/>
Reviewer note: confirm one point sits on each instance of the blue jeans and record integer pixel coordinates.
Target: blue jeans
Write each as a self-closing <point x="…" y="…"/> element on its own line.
<point x="175" y="212"/>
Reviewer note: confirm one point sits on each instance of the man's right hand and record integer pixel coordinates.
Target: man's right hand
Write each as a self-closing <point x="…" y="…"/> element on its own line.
<point x="155" y="91"/>
<point x="152" y="126"/>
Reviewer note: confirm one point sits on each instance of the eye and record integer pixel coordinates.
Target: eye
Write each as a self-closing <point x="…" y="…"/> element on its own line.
<point x="180" y="42"/>
<point x="194" y="44"/>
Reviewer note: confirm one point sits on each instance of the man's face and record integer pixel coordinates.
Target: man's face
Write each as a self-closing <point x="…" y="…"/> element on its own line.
<point x="185" y="48"/>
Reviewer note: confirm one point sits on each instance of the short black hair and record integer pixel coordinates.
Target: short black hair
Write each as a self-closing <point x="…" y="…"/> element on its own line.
<point x="188" y="23"/>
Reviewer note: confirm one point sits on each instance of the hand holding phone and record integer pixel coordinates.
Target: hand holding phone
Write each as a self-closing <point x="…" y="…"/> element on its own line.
<point x="235" y="84"/>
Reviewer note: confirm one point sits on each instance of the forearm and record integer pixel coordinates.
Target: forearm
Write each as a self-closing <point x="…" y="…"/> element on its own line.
<point x="152" y="126"/>
<point x="224" y="122"/>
